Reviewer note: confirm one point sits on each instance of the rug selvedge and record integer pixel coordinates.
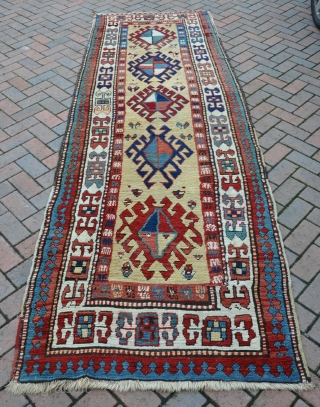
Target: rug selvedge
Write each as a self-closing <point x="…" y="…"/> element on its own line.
<point x="160" y="264"/>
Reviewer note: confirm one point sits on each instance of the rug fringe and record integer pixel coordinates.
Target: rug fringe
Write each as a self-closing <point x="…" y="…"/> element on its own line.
<point x="85" y="384"/>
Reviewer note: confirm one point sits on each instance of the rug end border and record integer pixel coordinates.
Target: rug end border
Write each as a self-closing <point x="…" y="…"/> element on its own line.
<point x="85" y="384"/>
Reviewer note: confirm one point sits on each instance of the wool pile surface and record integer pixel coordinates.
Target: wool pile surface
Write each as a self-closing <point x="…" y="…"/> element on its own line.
<point x="159" y="264"/>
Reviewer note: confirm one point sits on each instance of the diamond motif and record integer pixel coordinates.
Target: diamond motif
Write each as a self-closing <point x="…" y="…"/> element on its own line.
<point x="156" y="36"/>
<point x="156" y="102"/>
<point x="158" y="153"/>
<point x="159" y="102"/>
<point x="155" y="153"/>
<point x="154" y="67"/>
<point x="152" y="36"/>
<point x="162" y="236"/>
<point x="157" y="233"/>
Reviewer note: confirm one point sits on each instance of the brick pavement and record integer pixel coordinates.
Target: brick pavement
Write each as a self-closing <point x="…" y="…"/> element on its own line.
<point x="275" y="51"/>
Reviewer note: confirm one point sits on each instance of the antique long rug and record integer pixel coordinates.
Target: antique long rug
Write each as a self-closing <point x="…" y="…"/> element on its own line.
<point x="159" y="264"/>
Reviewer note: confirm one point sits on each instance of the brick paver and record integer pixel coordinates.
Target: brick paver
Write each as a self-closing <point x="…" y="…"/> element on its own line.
<point x="275" y="51"/>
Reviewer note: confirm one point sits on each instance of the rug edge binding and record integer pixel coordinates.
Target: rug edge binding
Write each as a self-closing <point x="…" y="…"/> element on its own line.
<point x="274" y="205"/>
<point x="54" y="187"/>
<point x="85" y="384"/>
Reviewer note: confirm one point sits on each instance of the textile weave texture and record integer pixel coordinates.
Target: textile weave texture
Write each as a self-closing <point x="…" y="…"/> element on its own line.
<point x="159" y="264"/>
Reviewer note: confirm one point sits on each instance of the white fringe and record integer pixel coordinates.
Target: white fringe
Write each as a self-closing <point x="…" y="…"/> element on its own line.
<point x="85" y="384"/>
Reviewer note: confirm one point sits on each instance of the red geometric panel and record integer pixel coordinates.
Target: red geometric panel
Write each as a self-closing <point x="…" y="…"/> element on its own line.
<point x="160" y="102"/>
<point x="157" y="35"/>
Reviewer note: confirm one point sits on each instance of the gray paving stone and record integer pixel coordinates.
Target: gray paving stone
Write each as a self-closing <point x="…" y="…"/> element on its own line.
<point x="43" y="77"/>
<point x="314" y="333"/>
<point x="312" y="124"/>
<point x="271" y="137"/>
<point x="40" y="200"/>
<point x="300" y="98"/>
<point x="47" y="179"/>
<point x="6" y="287"/>
<point x="266" y="123"/>
<point x="292" y="130"/>
<point x="288" y="190"/>
<point x="282" y="104"/>
<point x="21" y="126"/>
<point x="31" y="165"/>
<point x="60" y="129"/>
<point x="12" y="229"/>
<point x="10" y="156"/>
<point x="52" y="105"/>
<point x="308" y="265"/>
<point x="304" y="161"/>
<point x="291" y="257"/>
<point x="310" y="295"/>
<point x="314" y="216"/>
<point x="294" y="213"/>
<point x="19" y="275"/>
<point x="299" y="145"/>
<point x="43" y="133"/>
<point x="3" y="209"/>
<point x="6" y="121"/>
<point x="311" y="195"/>
<point x="14" y="94"/>
<point x="281" y="172"/>
<point x="56" y="42"/>
<point x="137" y="398"/>
<point x="305" y="317"/>
<point x="308" y="178"/>
<point x="5" y="188"/>
<point x="32" y="100"/>
<point x="18" y="205"/>
<point x="249" y="76"/>
<point x="302" y="236"/>
<point x="297" y="286"/>
<point x="60" y="82"/>
<point x="186" y="399"/>
<point x="69" y="63"/>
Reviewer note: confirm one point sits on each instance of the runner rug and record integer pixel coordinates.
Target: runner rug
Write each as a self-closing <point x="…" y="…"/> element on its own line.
<point x="159" y="264"/>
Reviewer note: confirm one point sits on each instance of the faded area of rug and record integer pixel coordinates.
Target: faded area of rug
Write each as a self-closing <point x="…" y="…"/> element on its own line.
<point x="159" y="264"/>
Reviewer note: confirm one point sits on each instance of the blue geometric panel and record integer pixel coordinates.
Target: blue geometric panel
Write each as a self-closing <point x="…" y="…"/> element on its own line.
<point x="152" y="36"/>
<point x="158" y="154"/>
<point x="147" y="329"/>
<point x="84" y="327"/>
<point x="216" y="331"/>
<point x="156" y="102"/>
<point x="151" y="66"/>
<point x="157" y="233"/>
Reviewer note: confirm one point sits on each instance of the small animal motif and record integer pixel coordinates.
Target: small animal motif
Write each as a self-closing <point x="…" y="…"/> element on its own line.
<point x="134" y="125"/>
<point x="189" y="136"/>
<point x="132" y="55"/>
<point x="197" y="256"/>
<point x="178" y="193"/>
<point x="178" y="87"/>
<point x="192" y="204"/>
<point x="127" y="202"/>
<point x="133" y="89"/>
<point x="126" y="269"/>
<point x="182" y="126"/>
<point x="188" y="272"/>
<point x="136" y="192"/>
